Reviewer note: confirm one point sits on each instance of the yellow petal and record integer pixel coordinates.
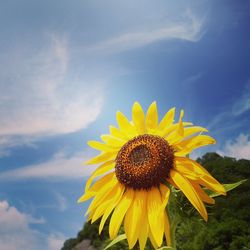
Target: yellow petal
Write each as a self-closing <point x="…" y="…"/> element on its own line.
<point x="205" y="178"/>
<point x="202" y="193"/>
<point x="169" y="180"/>
<point x="152" y="117"/>
<point x="119" y="212"/>
<point x="99" y="211"/>
<point x="187" y="124"/>
<point x="165" y="193"/>
<point x="109" y="200"/>
<point x="117" y="133"/>
<point x="112" y="205"/>
<point x="102" y="194"/>
<point x="180" y="129"/>
<point x="189" y="131"/>
<point x="105" y="167"/>
<point x="187" y="170"/>
<point x="144" y="232"/>
<point x="155" y="215"/>
<point x="103" y="147"/>
<point x="186" y="187"/>
<point x="170" y="129"/>
<point x="138" y="118"/>
<point x="124" y="124"/>
<point x="213" y="184"/>
<point x="113" y="141"/>
<point x="193" y="130"/>
<point x="152" y="239"/>
<point x="134" y="218"/>
<point x="167" y="130"/>
<point x="167" y="230"/>
<point x="177" y="134"/>
<point x="102" y="157"/>
<point x="102" y="182"/>
<point x="187" y="146"/>
<point x="86" y="196"/>
<point x="167" y="119"/>
<point x="90" y="216"/>
<point x="96" y="187"/>
<point x="192" y="165"/>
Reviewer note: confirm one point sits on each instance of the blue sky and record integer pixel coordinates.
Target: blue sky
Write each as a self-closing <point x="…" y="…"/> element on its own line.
<point x="65" y="69"/>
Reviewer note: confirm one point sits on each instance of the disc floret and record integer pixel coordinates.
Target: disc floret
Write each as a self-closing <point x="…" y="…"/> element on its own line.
<point x="144" y="161"/>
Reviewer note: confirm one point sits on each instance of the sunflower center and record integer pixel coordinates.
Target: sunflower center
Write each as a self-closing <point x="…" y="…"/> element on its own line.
<point x="139" y="155"/>
<point x="144" y="162"/>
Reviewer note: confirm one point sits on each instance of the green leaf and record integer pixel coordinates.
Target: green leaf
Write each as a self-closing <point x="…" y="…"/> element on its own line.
<point x="227" y="187"/>
<point x="116" y="240"/>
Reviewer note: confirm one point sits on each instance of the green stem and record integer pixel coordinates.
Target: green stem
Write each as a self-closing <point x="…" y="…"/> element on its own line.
<point x="173" y="233"/>
<point x="174" y="217"/>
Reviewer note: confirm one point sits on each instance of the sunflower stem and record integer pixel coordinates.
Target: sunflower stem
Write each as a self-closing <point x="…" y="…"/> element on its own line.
<point x="173" y="233"/>
<point x="174" y="216"/>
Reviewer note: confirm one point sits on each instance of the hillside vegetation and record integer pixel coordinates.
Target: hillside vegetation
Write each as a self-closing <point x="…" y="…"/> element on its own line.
<point x="228" y="225"/>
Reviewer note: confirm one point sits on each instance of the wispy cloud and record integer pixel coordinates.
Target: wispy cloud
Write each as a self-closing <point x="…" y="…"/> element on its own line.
<point x="192" y="79"/>
<point x="237" y="108"/>
<point x="8" y="142"/>
<point x="37" y="96"/>
<point x="242" y="105"/>
<point x="62" y="203"/>
<point x="58" y="168"/>
<point x="239" y="148"/>
<point x="189" y="29"/>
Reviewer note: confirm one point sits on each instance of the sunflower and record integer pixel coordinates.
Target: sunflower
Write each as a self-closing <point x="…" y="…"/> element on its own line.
<point x="139" y="162"/>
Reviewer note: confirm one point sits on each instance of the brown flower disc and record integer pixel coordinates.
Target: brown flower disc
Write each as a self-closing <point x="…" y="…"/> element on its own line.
<point x="144" y="161"/>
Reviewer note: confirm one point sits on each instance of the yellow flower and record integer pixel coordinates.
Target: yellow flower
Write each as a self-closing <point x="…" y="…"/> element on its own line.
<point x="138" y="162"/>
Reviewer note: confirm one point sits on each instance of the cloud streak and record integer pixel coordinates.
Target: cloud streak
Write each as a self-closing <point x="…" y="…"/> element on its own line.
<point x="238" y="108"/>
<point x="242" y="105"/>
<point x="61" y="201"/>
<point x="59" y="168"/>
<point x="189" y="30"/>
<point x="38" y="98"/>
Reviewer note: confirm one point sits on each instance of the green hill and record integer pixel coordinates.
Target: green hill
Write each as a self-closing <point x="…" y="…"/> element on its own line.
<point x="228" y="226"/>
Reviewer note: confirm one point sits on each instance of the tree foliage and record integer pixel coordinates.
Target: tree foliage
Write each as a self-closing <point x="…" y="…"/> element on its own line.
<point x="227" y="227"/>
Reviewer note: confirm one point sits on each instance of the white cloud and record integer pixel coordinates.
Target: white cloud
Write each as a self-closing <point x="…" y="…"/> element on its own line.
<point x="55" y="241"/>
<point x="240" y="148"/>
<point x="58" y="168"/>
<point x="195" y="154"/>
<point x="190" y="29"/>
<point x="8" y="142"/>
<point x="15" y="231"/>
<point x="39" y="98"/>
